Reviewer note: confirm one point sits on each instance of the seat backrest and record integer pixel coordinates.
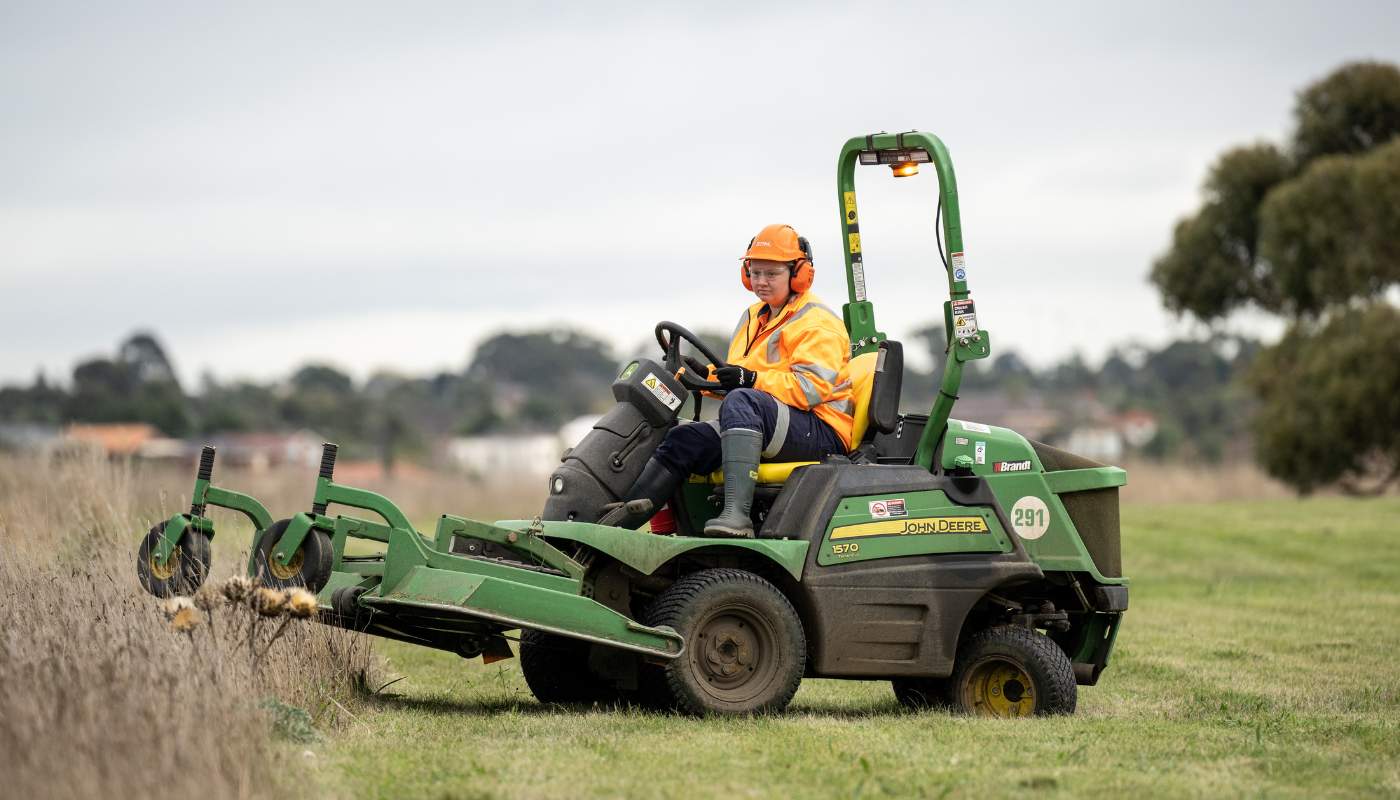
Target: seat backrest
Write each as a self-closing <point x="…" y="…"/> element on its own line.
<point x="876" y="381"/>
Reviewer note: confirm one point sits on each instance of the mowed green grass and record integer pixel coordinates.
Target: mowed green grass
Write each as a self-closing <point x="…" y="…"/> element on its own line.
<point x="1260" y="657"/>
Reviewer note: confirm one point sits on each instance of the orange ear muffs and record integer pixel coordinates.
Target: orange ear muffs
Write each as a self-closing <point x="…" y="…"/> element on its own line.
<point x="744" y="268"/>
<point x="803" y="273"/>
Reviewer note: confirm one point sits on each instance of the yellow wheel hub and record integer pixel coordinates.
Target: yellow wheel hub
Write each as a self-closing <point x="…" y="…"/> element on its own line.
<point x="1000" y="688"/>
<point x="165" y="571"/>
<point x="293" y="566"/>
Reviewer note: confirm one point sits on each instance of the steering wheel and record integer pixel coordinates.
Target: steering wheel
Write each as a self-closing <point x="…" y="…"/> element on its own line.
<point x="672" y="346"/>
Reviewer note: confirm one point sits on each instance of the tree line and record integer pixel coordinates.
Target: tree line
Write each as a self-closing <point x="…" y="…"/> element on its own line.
<point x="1307" y="229"/>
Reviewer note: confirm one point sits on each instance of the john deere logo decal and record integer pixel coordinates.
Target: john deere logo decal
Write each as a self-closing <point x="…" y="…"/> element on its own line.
<point x="912" y="527"/>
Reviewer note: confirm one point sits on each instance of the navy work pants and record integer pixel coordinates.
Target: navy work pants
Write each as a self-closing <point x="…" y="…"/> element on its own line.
<point x="789" y="434"/>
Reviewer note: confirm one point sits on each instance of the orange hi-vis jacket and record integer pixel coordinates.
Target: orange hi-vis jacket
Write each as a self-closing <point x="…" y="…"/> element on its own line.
<point x="801" y="359"/>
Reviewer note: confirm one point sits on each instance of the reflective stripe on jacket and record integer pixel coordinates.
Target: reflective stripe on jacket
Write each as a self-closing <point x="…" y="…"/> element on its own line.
<point x="801" y="359"/>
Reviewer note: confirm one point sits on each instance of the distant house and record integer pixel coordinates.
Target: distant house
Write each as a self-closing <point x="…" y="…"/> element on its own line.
<point x="1026" y="414"/>
<point x="32" y="438"/>
<point x="1136" y="427"/>
<point x="1099" y="444"/>
<point x="264" y="450"/>
<point x="517" y="458"/>
<point x="1107" y="440"/>
<point x="122" y="439"/>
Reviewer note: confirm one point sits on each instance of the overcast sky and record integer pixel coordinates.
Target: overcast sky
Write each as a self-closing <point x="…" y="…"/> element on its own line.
<point x="381" y="185"/>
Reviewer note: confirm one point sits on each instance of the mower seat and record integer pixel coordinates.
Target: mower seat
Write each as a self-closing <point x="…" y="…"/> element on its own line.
<point x="876" y="380"/>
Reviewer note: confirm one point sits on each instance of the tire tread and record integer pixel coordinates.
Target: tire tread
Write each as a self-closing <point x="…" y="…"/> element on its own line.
<point x="1060" y="692"/>
<point x="662" y="687"/>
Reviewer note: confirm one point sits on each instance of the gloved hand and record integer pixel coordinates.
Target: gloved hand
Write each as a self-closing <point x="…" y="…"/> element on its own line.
<point x="732" y="377"/>
<point x="694" y="367"/>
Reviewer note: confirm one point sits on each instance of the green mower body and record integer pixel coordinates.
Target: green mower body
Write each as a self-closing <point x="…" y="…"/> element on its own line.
<point x="933" y="556"/>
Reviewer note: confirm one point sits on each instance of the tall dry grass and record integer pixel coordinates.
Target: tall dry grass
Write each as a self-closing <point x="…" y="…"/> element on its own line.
<point x="99" y="695"/>
<point x="1176" y="482"/>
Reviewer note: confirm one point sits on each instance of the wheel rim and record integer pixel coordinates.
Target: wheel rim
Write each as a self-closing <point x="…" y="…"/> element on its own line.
<point x="734" y="653"/>
<point x="165" y="571"/>
<point x="999" y="687"/>
<point x="290" y="570"/>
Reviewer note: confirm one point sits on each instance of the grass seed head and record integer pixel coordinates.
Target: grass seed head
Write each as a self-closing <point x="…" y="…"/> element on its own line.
<point x="186" y="619"/>
<point x="238" y="588"/>
<point x="174" y="605"/>
<point x="301" y="603"/>
<point x="268" y="602"/>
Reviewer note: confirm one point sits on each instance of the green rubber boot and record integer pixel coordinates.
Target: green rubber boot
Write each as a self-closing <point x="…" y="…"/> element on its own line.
<point x="741" y="450"/>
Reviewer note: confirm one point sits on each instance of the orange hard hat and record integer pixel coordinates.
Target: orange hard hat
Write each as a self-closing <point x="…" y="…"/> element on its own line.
<point x="776" y="243"/>
<point x="781" y="243"/>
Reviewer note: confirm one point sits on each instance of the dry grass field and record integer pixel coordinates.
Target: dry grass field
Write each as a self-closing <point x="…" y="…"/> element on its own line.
<point x="1258" y="659"/>
<point x="100" y="696"/>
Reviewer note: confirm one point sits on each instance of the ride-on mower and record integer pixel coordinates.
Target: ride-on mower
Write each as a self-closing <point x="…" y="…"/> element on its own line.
<point x="933" y="555"/>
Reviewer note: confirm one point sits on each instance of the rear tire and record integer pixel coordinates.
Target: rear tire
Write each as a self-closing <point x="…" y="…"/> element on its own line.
<point x="745" y="649"/>
<point x="556" y="670"/>
<point x="921" y="694"/>
<point x="1008" y="671"/>
<point x="309" y="567"/>
<point x="182" y="573"/>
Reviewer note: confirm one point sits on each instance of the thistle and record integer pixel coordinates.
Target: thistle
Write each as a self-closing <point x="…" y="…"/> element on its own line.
<point x="174" y="605"/>
<point x="268" y="602"/>
<point x="301" y="603"/>
<point x="206" y="597"/>
<point x="186" y="619"/>
<point x="238" y="588"/>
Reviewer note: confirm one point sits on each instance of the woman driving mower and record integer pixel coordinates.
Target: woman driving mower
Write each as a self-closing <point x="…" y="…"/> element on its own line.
<point x="786" y="389"/>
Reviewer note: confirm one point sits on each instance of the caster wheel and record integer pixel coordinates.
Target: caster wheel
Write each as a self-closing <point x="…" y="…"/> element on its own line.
<point x="182" y="573"/>
<point x="309" y="567"/>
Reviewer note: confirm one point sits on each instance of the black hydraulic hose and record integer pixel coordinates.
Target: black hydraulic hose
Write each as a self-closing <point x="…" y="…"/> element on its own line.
<point x="938" y="233"/>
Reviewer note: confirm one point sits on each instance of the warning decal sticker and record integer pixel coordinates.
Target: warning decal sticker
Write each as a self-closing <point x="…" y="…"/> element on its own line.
<point x="964" y="318"/>
<point x="911" y="527"/>
<point x="850" y="198"/>
<point x="958" y="267"/>
<point x="888" y="508"/>
<point x="662" y="393"/>
<point x="855" y="242"/>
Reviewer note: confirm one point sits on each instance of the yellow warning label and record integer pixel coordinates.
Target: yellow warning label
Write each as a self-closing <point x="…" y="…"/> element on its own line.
<point x="912" y="527"/>
<point x="960" y="322"/>
<point x="851" y="209"/>
<point x="650" y="383"/>
<point x="855" y="242"/>
<point x="753" y="474"/>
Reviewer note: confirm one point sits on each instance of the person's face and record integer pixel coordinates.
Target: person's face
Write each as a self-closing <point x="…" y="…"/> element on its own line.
<point x="770" y="280"/>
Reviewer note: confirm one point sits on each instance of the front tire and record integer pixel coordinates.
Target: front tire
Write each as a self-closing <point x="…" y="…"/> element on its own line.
<point x="182" y="573"/>
<point x="308" y="568"/>
<point x="745" y="650"/>
<point x="1008" y="671"/>
<point x="556" y="670"/>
